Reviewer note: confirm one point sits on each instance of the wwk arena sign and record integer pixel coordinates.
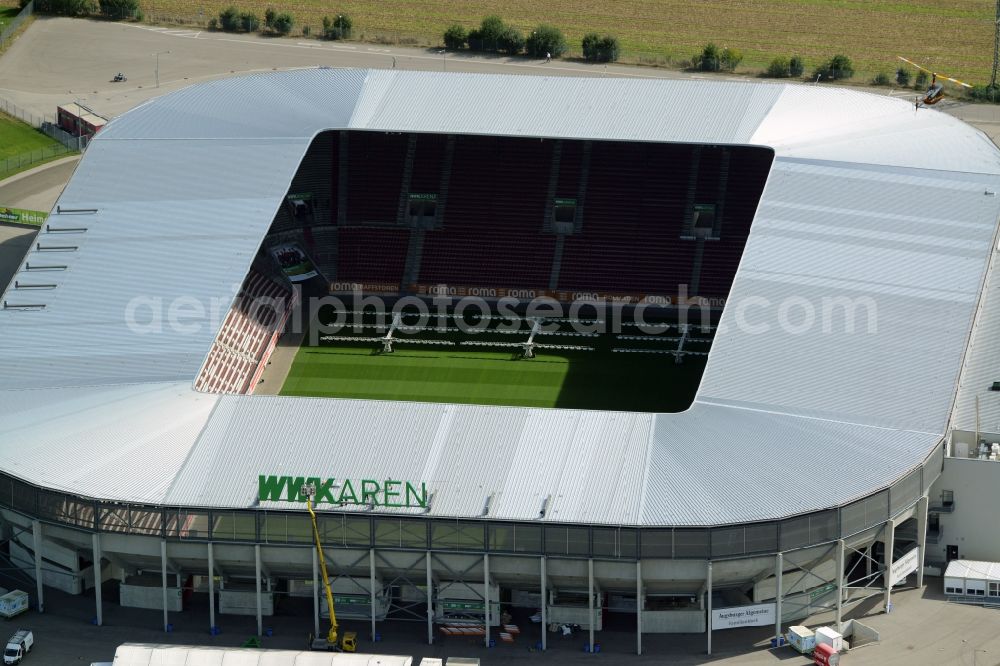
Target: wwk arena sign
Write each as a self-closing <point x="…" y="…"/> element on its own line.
<point x="743" y="616"/>
<point x="367" y="492"/>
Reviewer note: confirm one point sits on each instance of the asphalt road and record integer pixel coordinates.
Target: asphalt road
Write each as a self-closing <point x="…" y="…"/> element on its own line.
<point x="14" y="242"/>
<point x="38" y="188"/>
<point x="59" y="60"/>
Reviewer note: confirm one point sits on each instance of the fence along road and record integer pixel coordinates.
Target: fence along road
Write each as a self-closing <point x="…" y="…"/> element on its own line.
<point x="8" y="33"/>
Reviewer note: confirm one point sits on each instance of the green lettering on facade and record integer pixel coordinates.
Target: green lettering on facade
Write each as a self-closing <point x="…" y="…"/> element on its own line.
<point x="295" y="487"/>
<point x="369" y="491"/>
<point x="347" y="495"/>
<point x="391" y="493"/>
<point x="324" y="492"/>
<point x="274" y="488"/>
<point x="414" y="498"/>
<point x="269" y="488"/>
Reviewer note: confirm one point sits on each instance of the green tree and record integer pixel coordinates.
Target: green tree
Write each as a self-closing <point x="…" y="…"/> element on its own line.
<point x="269" y="17"/>
<point x="709" y="60"/>
<point x="920" y="82"/>
<point x="490" y="31"/>
<point x="903" y="76"/>
<point x="66" y="7"/>
<point x="838" y="67"/>
<point x="779" y="68"/>
<point x="600" y="49"/>
<point x="454" y="37"/>
<point x="229" y="19"/>
<point x="796" y="66"/>
<point x="511" y="41"/>
<point x="730" y="58"/>
<point x="249" y="22"/>
<point x="282" y="23"/>
<point x="985" y="93"/>
<point x="545" y="40"/>
<point x="344" y="24"/>
<point x="118" y="9"/>
<point x="338" y="28"/>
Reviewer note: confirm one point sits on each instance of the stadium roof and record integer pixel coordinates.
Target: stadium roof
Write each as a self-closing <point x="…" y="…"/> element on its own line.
<point x="871" y="208"/>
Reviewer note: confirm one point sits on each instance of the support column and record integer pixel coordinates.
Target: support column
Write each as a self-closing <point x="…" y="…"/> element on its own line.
<point x="779" y="571"/>
<point x="315" y="594"/>
<point x="708" y="604"/>
<point x="590" y="600"/>
<point x="921" y="538"/>
<point x="163" y="577"/>
<point x="890" y="538"/>
<point x="430" y="601"/>
<point x="371" y="585"/>
<point x="545" y="606"/>
<point x="98" y="577"/>
<point x="640" y="603"/>
<point x="211" y="587"/>
<point x="260" y="610"/>
<point x="36" y="533"/>
<point x="840" y="585"/>
<point x="486" y="596"/>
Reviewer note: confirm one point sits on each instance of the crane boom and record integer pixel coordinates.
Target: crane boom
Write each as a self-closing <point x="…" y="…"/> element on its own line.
<point x="331" y="637"/>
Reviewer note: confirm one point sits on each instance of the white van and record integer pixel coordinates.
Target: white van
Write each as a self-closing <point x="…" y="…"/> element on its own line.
<point x="18" y="645"/>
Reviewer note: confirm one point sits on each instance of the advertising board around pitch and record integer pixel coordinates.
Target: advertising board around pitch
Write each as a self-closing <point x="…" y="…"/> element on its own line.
<point x="757" y="615"/>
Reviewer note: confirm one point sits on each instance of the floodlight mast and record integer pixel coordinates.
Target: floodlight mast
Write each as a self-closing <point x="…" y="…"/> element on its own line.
<point x="309" y="491"/>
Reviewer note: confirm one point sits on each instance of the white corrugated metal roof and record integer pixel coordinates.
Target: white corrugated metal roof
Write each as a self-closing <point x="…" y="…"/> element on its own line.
<point x="868" y="199"/>
<point x="904" y="250"/>
<point x="972" y="569"/>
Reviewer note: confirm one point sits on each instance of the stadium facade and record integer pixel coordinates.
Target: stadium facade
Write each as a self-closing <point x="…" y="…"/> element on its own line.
<point x="804" y="461"/>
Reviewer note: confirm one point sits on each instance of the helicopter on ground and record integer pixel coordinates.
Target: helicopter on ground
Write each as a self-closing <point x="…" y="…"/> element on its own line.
<point x="935" y="93"/>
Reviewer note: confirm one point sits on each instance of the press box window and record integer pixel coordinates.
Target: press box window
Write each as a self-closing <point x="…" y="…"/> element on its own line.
<point x="564" y="215"/>
<point x="422" y="207"/>
<point x="300" y="206"/>
<point x="704" y="221"/>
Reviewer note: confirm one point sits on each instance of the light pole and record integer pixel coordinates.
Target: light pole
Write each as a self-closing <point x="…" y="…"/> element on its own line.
<point x="157" y="54"/>
<point x="444" y="63"/>
<point x="79" y="126"/>
<point x="974" y="653"/>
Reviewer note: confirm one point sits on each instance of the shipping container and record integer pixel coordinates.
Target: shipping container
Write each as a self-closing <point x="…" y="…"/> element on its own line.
<point x="828" y="636"/>
<point x="801" y="638"/>
<point x="13" y="603"/>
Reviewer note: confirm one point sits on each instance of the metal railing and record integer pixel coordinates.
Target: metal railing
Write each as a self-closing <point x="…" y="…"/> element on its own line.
<point x="352" y="529"/>
<point x="33" y="119"/>
<point x="8" y="32"/>
<point x="24" y="160"/>
<point x="68" y="144"/>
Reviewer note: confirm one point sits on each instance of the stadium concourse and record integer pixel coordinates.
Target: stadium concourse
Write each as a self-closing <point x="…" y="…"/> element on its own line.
<point x="838" y="241"/>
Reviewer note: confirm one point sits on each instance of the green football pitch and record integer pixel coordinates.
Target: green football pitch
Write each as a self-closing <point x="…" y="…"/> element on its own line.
<point x="598" y="379"/>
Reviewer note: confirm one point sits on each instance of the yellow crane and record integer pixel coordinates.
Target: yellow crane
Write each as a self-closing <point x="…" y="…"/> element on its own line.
<point x="349" y="642"/>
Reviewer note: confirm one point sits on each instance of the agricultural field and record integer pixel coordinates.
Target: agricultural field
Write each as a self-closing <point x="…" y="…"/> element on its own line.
<point x="954" y="37"/>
